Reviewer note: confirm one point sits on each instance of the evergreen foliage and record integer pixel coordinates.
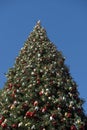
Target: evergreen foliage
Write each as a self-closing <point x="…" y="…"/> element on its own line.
<point x="40" y="93"/>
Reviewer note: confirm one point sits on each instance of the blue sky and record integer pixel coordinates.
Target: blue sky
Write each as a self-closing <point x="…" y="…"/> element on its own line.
<point x="66" y="24"/>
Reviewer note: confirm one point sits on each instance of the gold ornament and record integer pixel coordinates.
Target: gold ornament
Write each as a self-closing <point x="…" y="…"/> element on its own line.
<point x="66" y="113"/>
<point x="5" y="121"/>
<point x="12" y="107"/>
<point x="43" y="99"/>
<point x="49" y="98"/>
<point x="20" y="124"/>
<point x="46" y="93"/>
<point x="70" y="94"/>
<point x="70" y="106"/>
<point x="28" y="124"/>
<point x="78" y="121"/>
<point x="34" y="40"/>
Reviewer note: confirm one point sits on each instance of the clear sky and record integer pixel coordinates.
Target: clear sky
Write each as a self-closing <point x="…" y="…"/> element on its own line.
<point x="66" y="24"/>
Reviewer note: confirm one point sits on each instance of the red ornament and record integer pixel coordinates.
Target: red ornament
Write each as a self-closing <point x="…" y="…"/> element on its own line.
<point x="14" y="90"/>
<point x="18" y="85"/>
<point x="82" y="127"/>
<point x="25" y="106"/>
<point x="79" y="111"/>
<point x="41" y="93"/>
<point x="38" y="81"/>
<point x="30" y="114"/>
<point x="42" y="128"/>
<point x="73" y="127"/>
<point x="51" y="82"/>
<point x="10" y="85"/>
<point x="14" y="126"/>
<point x="69" y="115"/>
<point x="4" y="125"/>
<point x="35" y="103"/>
<point x="54" y="123"/>
<point x="44" y="109"/>
<point x="54" y="115"/>
<point x="13" y="95"/>
<point x="1" y="122"/>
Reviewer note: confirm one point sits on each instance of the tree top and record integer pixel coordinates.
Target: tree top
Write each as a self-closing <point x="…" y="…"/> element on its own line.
<point x="38" y="33"/>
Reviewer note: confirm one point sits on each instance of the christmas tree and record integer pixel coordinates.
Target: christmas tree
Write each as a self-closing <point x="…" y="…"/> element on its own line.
<point x="40" y="93"/>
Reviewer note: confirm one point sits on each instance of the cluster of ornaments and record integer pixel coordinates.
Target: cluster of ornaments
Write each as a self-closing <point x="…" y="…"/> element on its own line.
<point x="39" y="91"/>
